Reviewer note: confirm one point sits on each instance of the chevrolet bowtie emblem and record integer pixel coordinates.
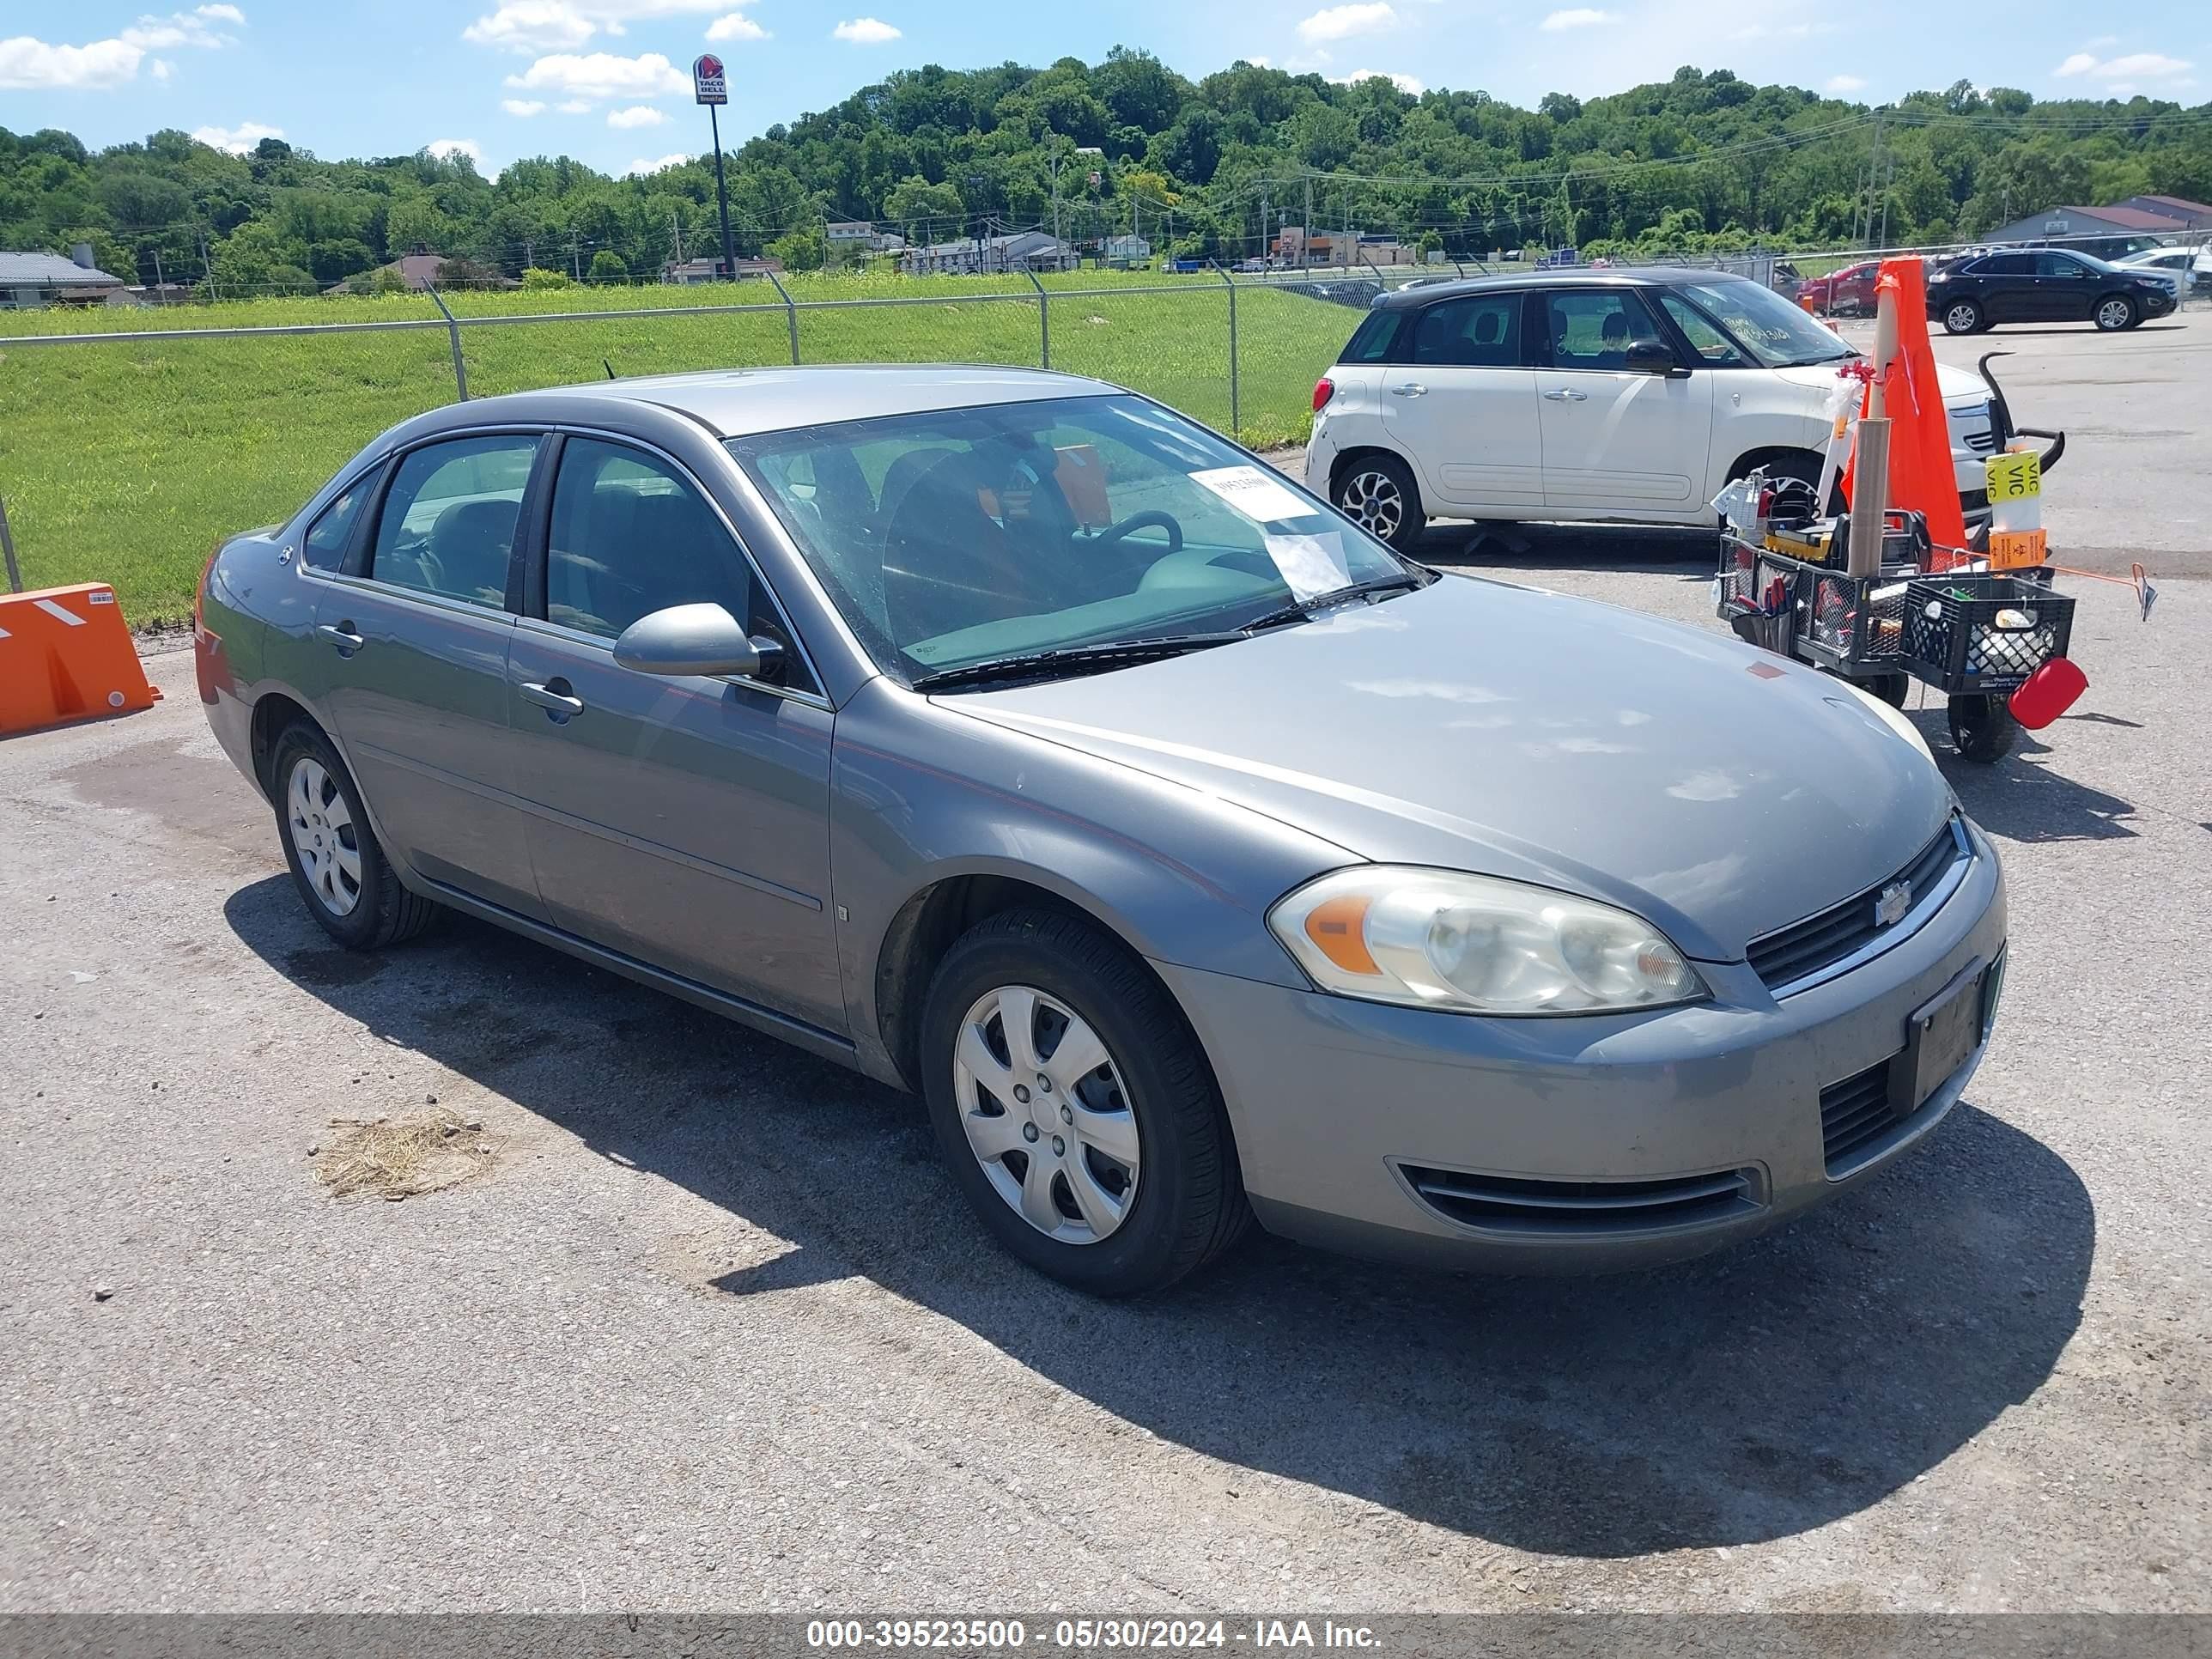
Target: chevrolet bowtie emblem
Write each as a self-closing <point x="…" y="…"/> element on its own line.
<point x="1893" y="901"/>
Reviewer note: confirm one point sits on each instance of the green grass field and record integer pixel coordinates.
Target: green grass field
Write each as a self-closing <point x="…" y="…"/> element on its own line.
<point x="125" y="462"/>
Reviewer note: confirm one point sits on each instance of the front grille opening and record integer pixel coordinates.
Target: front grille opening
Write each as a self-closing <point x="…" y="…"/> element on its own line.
<point x="1854" y="1115"/>
<point x="1805" y="947"/>
<point x="1516" y="1205"/>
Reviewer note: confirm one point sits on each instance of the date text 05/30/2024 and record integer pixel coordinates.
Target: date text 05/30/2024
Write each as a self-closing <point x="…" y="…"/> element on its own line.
<point x="1083" y="1635"/>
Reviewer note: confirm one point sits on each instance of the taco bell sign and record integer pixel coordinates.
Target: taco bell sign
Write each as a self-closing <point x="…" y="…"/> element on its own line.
<point x="707" y="84"/>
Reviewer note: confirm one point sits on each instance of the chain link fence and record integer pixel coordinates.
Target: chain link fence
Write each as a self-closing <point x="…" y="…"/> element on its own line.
<point x="129" y="449"/>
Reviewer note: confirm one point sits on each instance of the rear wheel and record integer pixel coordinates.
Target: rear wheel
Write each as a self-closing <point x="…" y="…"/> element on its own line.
<point x="1892" y="689"/>
<point x="344" y="877"/>
<point x="1982" y="728"/>
<point x="2116" y="312"/>
<point x="1962" y="316"/>
<point x="1377" y="493"/>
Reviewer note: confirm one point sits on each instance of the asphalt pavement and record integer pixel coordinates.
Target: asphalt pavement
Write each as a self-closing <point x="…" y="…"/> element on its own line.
<point x="712" y="1330"/>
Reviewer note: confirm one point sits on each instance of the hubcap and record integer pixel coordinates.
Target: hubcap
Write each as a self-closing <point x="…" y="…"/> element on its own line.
<point x="1064" y="1156"/>
<point x="1372" y="501"/>
<point x="2113" y="313"/>
<point x="324" y="836"/>
<point x="1962" y="319"/>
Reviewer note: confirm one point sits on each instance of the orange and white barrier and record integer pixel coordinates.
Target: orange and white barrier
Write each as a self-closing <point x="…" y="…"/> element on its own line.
<point x="66" y="655"/>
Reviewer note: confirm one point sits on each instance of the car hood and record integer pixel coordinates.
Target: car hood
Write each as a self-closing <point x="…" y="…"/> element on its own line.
<point x="1960" y="386"/>
<point x="1718" y="791"/>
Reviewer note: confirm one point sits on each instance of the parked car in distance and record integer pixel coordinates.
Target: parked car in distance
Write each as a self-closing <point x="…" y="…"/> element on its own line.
<point x="1017" y="741"/>
<point x="1845" y="292"/>
<point x="2045" y="285"/>
<point x="2189" y="267"/>
<point x="1617" y="396"/>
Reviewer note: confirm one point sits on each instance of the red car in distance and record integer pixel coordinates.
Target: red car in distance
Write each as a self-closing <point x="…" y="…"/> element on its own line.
<point x="1848" y="292"/>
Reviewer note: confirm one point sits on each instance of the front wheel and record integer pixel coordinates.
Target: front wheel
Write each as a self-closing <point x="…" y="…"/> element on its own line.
<point x="2115" y="312"/>
<point x="1377" y="493"/>
<point x="1962" y="316"/>
<point x="1077" y="1111"/>
<point x="1982" y="728"/>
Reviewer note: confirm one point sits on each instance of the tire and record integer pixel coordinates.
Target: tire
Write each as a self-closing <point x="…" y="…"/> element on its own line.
<point x="344" y="877"/>
<point x="1376" y="492"/>
<point x="1158" y="1126"/>
<point x="1803" y="466"/>
<point x="2114" y="312"/>
<point x="1964" y="317"/>
<point x="1892" y="689"/>
<point x="1982" y="728"/>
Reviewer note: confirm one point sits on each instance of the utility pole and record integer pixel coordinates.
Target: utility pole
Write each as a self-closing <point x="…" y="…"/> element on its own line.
<point x="1263" y="227"/>
<point x="1305" y="233"/>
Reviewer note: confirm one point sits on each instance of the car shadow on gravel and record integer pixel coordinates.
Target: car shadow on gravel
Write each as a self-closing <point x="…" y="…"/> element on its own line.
<point x="1782" y="1385"/>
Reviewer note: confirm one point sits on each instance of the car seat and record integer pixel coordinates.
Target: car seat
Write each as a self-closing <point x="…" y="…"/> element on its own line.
<point x="469" y="548"/>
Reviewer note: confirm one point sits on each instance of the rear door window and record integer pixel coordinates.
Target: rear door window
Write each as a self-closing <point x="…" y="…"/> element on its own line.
<point x="324" y="547"/>
<point x="1482" y="331"/>
<point x="2007" y="264"/>
<point x="449" y="519"/>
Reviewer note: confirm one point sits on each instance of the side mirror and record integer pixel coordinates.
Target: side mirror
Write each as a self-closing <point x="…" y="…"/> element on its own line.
<point x="696" y="639"/>
<point x="1653" y="357"/>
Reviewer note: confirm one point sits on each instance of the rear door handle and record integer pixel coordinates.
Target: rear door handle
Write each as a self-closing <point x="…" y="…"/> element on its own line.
<point x="554" y="697"/>
<point x="1564" y="395"/>
<point x="1409" y="389"/>
<point x="342" y="636"/>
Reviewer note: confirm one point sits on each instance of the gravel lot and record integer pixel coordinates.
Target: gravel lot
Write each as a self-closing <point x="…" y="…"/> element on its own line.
<point x="712" y="1331"/>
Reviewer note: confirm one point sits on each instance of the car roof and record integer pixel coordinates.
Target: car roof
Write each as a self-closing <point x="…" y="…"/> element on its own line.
<point x="740" y="402"/>
<point x="1559" y="277"/>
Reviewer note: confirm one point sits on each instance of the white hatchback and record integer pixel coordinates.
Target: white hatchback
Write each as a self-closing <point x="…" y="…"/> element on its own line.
<point x="1616" y="396"/>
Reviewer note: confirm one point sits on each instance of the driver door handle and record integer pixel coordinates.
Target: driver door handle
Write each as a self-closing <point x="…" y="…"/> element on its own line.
<point x="1409" y="389"/>
<point x="1567" y="395"/>
<point x="554" y="698"/>
<point x="342" y="636"/>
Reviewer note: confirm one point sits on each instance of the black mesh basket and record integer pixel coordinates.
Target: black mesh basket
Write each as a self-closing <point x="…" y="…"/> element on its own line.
<point x="1970" y="634"/>
<point x="1855" y="619"/>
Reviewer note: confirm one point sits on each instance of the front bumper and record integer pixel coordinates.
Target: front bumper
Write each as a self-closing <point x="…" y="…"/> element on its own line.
<point x="1341" y="1109"/>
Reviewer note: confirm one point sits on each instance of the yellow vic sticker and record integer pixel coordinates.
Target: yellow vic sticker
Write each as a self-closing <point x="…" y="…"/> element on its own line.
<point x="2014" y="476"/>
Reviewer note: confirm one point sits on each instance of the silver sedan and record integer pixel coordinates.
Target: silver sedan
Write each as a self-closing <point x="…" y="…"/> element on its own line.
<point x="1195" y="856"/>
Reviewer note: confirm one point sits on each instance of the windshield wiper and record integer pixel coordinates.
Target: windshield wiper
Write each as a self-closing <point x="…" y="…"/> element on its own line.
<point x="1302" y="610"/>
<point x="1040" y="665"/>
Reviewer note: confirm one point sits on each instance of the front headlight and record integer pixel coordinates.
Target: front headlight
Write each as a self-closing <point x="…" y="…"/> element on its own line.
<point x="1476" y="945"/>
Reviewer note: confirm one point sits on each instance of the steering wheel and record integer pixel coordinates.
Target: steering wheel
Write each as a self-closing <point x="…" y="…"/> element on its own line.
<point x="1139" y="520"/>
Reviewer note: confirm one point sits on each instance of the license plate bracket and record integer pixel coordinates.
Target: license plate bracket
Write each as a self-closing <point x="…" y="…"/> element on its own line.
<point x="1940" y="1035"/>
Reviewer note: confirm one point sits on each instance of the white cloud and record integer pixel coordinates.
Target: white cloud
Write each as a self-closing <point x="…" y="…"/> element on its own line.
<point x="237" y="140"/>
<point x="1576" y="17"/>
<point x="525" y="106"/>
<point x="445" y="149"/>
<point x="29" y="63"/>
<point x="864" y="32"/>
<point x="601" y="74"/>
<point x="1845" y="83"/>
<point x="1404" y="83"/>
<point x="637" y="115"/>
<point x="160" y="68"/>
<point x="2124" y="71"/>
<point x="533" y="26"/>
<point x="1341" y="23"/>
<point x="735" y="27"/>
<point x="636" y="169"/>
<point x="1257" y="62"/>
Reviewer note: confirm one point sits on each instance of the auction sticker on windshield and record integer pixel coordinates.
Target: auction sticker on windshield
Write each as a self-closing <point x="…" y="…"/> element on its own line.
<point x="1253" y="492"/>
<point x="1309" y="565"/>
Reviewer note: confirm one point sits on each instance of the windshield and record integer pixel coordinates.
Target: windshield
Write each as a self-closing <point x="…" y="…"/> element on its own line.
<point x="1777" y="334"/>
<point x="964" y="536"/>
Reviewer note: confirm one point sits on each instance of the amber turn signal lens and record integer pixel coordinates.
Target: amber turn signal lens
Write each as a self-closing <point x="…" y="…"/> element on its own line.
<point x="1338" y="927"/>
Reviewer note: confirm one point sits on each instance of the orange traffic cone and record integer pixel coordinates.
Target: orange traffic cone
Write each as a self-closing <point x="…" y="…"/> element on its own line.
<point x="1921" y="475"/>
<point x="66" y="655"/>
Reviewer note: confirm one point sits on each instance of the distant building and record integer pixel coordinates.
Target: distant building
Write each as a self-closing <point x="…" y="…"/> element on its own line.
<point x="1123" y="252"/>
<point x="850" y="238"/>
<point x="30" y="281"/>
<point x="1027" y="249"/>
<point x="683" y="275"/>
<point x="2137" y="216"/>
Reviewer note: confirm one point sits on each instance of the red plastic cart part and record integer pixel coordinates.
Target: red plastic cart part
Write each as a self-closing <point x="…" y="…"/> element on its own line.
<point x="2048" y="693"/>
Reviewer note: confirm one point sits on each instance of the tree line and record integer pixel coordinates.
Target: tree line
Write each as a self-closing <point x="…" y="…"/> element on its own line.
<point x="1213" y="168"/>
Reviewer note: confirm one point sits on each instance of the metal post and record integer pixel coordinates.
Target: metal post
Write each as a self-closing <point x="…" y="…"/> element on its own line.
<point x="790" y="311"/>
<point x="722" y="203"/>
<point x="1044" y="316"/>
<point x="453" y="334"/>
<point x="7" y="552"/>
<point x="1236" y="413"/>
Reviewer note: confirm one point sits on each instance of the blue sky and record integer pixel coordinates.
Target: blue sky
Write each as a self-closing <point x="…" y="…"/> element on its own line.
<point x="604" y="80"/>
